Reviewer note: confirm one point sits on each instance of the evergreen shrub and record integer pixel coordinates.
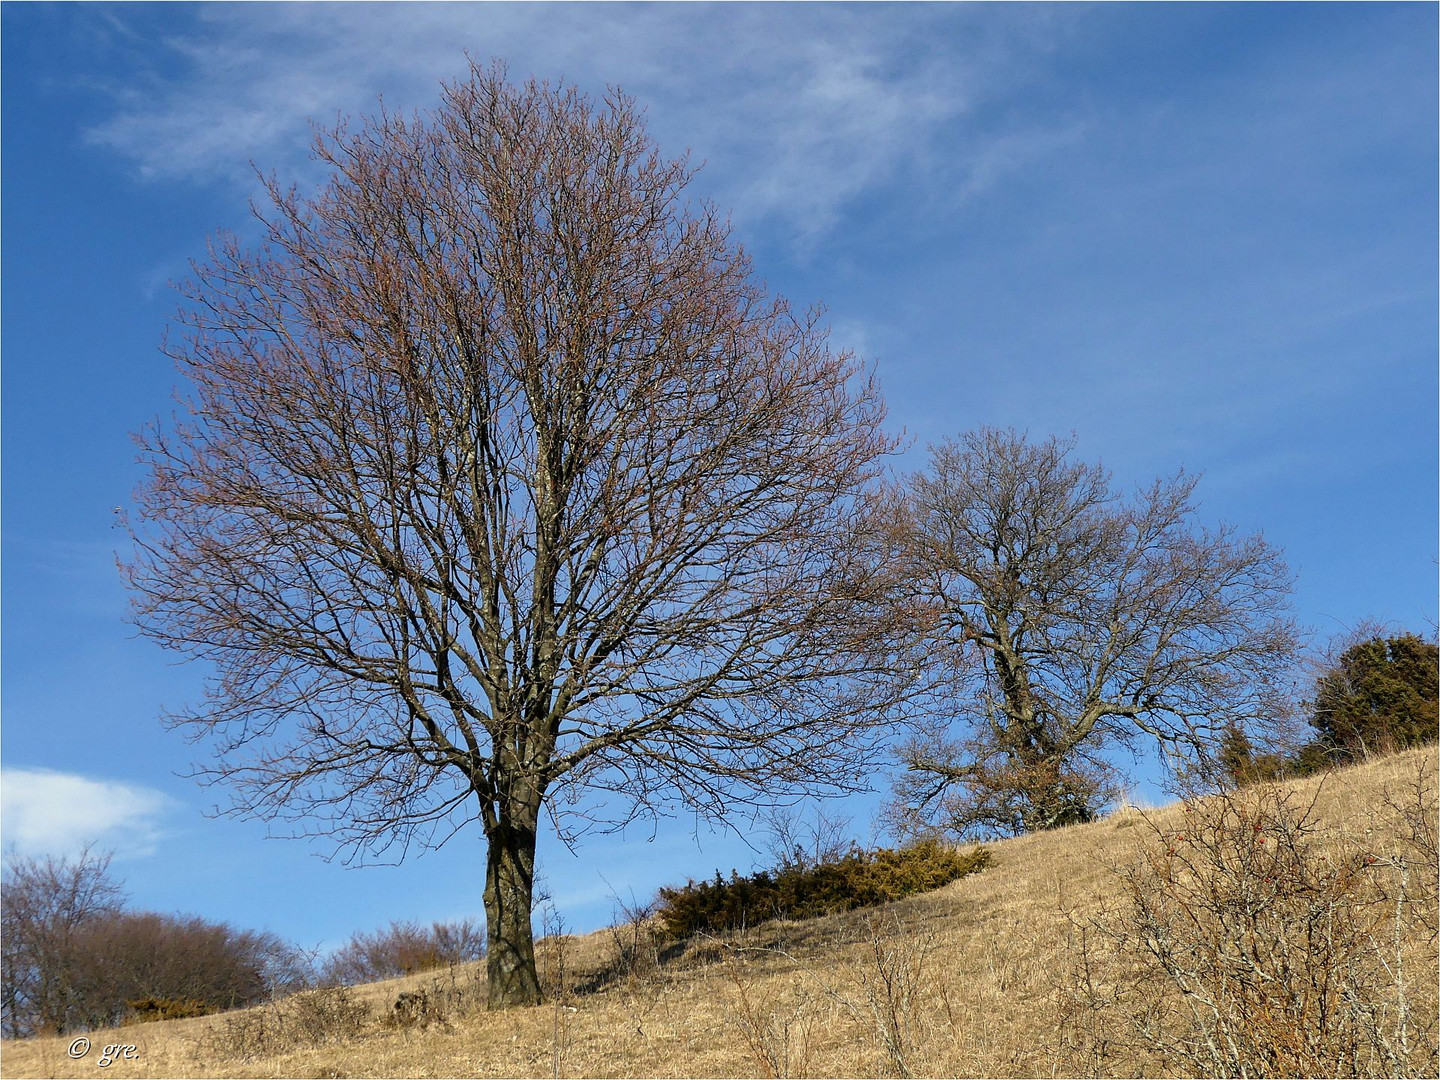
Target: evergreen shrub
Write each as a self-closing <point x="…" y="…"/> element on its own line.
<point x="858" y="879"/>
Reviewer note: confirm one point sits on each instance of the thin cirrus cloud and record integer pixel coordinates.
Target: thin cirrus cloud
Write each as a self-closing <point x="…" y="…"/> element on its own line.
<point x="47" y="812"/>
<point x="1160" y="229"/>
<point x="820" y="105"/>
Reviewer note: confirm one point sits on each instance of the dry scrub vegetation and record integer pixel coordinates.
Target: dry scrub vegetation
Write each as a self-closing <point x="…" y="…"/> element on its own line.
<point x="1289" y="930"/>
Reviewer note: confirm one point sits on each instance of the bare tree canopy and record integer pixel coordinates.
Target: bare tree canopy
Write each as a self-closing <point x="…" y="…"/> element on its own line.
<point x="48" y="904"/>
<point x="500" y="480"/>
<point x="1066" y="620"/>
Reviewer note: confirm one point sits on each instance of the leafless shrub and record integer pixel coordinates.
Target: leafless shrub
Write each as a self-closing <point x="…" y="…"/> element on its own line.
<point x="445" y="998"/>
<point x="1413" y="809"/>
<point x="553" y="955"/>
<point x="779" y="1036"/>
<point x="1089" y="1006"/>
<point x="309" y="1018"/>
<point x="801" y="841"/>
<point x="885" y="991"/>
<point x="412" y="1007"/>
<point x="635" y="936"/>
<point x="404" y="948"/>
<point x="1250" y="944"/>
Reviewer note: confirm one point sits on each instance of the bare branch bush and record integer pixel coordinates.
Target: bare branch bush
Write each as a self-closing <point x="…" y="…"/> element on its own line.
<point x="556" y="982"/>
<point x="633" y="965"/>
<point x="801" y="839"/>
<point x="889" y="992"/>
<point x="308" y="1019"/>
<point x="635" y="938"/>
<point x="779" y="1034"/>
<point x="1250" y="944"/>
<point x="404" y="948"/>
<point x="447" y="996"/>
<point x="886" y="992"/>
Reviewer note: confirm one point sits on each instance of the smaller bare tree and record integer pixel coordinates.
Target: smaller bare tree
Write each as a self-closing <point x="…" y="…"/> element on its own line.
<point x="1065" y="620"/>
<point x="48" y="904"/>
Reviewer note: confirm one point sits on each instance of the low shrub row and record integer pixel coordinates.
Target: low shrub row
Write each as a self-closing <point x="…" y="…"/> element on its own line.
<point x="858" y="879"/>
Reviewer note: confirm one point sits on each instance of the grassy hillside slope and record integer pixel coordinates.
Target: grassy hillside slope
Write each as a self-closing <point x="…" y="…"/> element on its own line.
<point x="985" y="977"/>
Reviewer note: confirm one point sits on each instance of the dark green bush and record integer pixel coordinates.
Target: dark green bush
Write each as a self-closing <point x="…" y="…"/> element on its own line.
<point x="1382" y="695"/>
<point x="859" y="879"/>
<point x="1243" y="765"/>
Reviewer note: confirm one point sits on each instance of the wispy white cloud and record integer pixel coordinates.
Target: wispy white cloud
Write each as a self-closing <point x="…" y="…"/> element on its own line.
<point x="795" y="109"/>
<point x="46" y="812"/>
<point x="79" y="575"/>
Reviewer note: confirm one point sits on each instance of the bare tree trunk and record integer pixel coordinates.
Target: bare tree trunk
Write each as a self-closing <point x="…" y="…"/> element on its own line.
<point x="509" y="884"/>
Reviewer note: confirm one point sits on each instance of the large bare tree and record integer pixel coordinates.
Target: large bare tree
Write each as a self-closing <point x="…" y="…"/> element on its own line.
<point x="1066" y="620"/>
<point x="501" y="485"/>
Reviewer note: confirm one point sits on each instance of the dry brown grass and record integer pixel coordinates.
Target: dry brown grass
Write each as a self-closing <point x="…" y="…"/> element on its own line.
<point x="970" y="980"/>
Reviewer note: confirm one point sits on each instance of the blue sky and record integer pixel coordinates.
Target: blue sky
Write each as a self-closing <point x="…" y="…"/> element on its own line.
<point x="1194" y="235"/>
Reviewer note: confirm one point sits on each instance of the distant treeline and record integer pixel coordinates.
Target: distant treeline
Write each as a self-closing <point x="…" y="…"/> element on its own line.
<point x="74" y="959"/>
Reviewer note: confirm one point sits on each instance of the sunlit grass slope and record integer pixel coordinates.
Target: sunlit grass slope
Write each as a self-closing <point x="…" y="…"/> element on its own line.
<point x="970" y="980"/>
